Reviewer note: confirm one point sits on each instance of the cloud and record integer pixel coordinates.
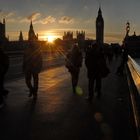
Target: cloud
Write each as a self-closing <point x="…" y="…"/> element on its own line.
<point x="89" y="21"/>
<point x="24" y="20"/>
<point x="11" y="20"/>
<point x="66" y="20"/>
<point x="6" y="14"/>
<point x="10" y="16"/>
<point x="86" y="7"/>
<point x="48" y="20"/>
<point x="34" y="16"/>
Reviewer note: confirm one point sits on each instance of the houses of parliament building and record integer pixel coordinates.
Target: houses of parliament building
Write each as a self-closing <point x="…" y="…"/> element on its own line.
<point x="67" y="37"/>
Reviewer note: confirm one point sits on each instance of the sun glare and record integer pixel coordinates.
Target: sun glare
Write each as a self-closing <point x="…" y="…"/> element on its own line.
<point x="50" y="38"/>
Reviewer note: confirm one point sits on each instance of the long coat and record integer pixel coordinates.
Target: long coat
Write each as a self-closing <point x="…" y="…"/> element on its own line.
<point x="94" y="61"/>
<point x="74" y="59"/>
<point x="32" y="60"/>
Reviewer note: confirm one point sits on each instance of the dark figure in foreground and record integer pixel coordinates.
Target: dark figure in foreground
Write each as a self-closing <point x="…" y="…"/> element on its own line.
<point x="32" y="65"/>
<point x="4" y="65"/>
<point x="73" y="63"/>
<point x="96" y="68"/>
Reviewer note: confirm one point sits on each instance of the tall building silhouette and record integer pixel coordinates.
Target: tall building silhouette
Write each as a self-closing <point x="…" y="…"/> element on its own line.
<point x="131" y="42"/>
<point x="68" y="36"/>
<point x="127" y="29"/>
<point x="2" y="31"/>
<point x="100" y="28"/>
<point x="20" y="36"/>
<point x="80" y="35"/>
<point x="31" y="33"/>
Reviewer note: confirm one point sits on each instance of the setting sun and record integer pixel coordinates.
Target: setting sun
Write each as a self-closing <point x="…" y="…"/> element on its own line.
<point x="50" y="38"/>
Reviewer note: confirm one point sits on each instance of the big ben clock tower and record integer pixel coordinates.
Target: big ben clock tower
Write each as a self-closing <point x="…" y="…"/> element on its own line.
<point x="100" y="28"/>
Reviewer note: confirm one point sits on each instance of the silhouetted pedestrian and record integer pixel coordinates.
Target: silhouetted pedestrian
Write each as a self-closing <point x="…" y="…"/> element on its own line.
<point x="4" y="65"/>
<point x="32" y="65"/>
<point x="73" y="63"/>
<point x="110" y="55"/>
<point x="124" y="59"/>
<point x="96" y="69"/>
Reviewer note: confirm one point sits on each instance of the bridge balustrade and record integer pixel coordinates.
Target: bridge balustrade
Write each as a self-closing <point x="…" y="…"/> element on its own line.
<point x="133" y="78"/>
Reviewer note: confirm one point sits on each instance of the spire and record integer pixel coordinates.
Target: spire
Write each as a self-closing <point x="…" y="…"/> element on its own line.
<point x="31" y="33"/>
<point x="134" y="33"/>
<point x="100" y="28"/>
<point x="127" y="29"/>
<point x="99" y="11"/>
<point x="31" y="25"/>
<point x="20" y="36"/>
<point x="4" y="21"/>
<point x="37" y="35"/>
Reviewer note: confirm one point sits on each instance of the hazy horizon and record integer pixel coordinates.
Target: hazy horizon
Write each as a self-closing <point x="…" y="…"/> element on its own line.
<point x="53" y="17"/>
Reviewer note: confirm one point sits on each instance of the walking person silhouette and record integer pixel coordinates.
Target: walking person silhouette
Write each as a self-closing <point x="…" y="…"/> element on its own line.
<point x="4" y="65"/>
<point x="32" y="65"/>
<point x="96" y="69"/>
<point x="73" y="64"/>
<point x="124" y="59"/>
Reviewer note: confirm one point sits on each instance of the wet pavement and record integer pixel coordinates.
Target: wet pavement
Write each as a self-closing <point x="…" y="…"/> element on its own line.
<point x="49" y="60"/>
<point x="58" y="114"/>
